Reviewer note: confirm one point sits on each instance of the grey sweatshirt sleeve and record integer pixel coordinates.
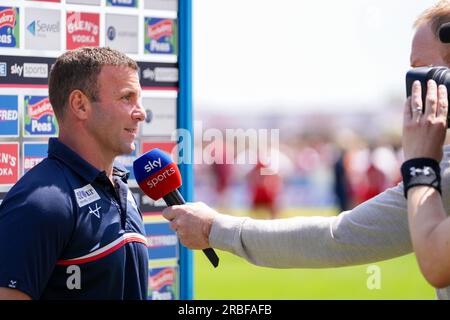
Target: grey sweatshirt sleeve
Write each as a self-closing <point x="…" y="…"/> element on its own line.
<point x="373" y="231"/>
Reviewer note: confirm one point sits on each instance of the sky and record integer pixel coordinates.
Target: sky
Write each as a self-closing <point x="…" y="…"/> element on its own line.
<point x="294" y="56"/>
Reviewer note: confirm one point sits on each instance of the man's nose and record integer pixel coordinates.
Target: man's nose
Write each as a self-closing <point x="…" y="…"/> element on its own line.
<point x="139" y="112"/>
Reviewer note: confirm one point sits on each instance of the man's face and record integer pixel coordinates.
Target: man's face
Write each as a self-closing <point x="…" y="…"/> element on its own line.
<point x="115" y="117"/>
<point x="426" y="50"/>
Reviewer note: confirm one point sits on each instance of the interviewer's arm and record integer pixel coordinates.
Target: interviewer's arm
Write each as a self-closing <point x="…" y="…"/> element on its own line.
<point x="430" y="233"/>
<point x="375" y="230"/>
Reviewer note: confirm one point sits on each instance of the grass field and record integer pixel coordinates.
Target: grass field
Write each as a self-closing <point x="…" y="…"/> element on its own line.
<point x="235" y="278"/>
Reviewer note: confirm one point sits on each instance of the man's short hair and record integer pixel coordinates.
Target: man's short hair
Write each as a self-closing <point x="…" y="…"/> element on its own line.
<point x="78" y="70"/>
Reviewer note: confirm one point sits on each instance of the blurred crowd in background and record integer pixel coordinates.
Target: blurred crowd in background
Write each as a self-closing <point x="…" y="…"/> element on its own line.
<point x="327" y="164"/>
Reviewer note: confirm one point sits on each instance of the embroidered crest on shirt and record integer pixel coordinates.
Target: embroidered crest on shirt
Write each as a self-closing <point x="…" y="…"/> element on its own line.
<point x="96" y="211"/>
<point x="86" y="195"/>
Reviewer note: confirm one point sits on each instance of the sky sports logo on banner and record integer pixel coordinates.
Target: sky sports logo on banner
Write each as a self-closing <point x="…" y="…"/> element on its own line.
<point x="39" y="118"/>
<point x="25" y="71"/>
<point x="9" y="116"/>
<point x="160" y="36"/>
<point x="122" y="3"/>
<point x="33" y="153"/>
<point x="43" y="30"/>
<point x="83" y="29"/>
<point x="163" y="283"/>
<point x="9" y="27"/>
<point x="9" y="163"/>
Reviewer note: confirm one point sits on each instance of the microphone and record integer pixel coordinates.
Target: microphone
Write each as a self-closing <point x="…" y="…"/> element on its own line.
<point x="444" y="33"/>
<point x="158" y="177"/>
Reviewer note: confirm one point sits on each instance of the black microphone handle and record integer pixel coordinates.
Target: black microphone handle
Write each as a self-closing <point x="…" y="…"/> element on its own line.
<point x="173" y="198"/>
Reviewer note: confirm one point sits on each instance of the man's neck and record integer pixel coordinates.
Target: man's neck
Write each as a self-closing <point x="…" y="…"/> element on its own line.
<point x="90" y="151"/>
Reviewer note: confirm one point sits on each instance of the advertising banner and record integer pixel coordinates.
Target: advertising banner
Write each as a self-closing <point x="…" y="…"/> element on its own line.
<point x="154" y="75"/>
<point x="122" y="3"/>
<point x="163" y="283"/>
<point x="83" y="29"/>
<point x="122" y="32"/>
<point x="160" y="36"/>
<point x="39" y="118"/>
<point x="162" y="241"/>
<point x="9" y="27"/>
<point x="43" y="29"/>
<point x="33" y="153"/>
<point x="161" y="116"/>
<point x="23" y="71"/>
<point x="9" y="163"/>
<point x="161" y="4"/>
<point x="9" y="116"/>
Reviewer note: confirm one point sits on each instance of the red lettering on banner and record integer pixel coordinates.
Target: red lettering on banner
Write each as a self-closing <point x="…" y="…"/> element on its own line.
<point x="7" y="18"/>
<point x="160" y="29"/>
<point x="9" y="168"/>
<point x="37" y="110"/>
<point x="162" y="279"/>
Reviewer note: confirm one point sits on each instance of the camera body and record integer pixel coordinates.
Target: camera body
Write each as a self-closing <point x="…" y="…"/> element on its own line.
<point x="439" y="74"/>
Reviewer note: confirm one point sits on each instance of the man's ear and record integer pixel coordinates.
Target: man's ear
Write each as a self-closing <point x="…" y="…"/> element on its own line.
<point x="79" y="105"/>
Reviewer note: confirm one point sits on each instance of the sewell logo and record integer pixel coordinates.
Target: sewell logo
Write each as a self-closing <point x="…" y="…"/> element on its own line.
<point x="39" y="28"/>
<point x="82" y="29"/>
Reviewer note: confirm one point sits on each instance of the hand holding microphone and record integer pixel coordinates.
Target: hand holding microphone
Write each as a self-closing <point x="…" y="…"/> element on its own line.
<point x="158" y="177"/>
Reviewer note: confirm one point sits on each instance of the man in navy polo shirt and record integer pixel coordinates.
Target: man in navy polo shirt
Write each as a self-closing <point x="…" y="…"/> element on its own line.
<point x="70" y="228"/>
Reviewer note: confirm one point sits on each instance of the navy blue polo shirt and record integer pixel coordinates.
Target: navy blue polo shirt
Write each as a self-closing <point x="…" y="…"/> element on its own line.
<point x="67" y="232"/>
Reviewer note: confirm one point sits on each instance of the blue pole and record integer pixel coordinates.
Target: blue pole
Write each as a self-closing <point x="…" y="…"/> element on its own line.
<point x="184" y="111"/>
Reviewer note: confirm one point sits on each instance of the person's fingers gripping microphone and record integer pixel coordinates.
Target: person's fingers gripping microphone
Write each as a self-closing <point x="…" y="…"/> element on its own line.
<point x="416" y="101"/>
<point x="431" y="101"/>
<point x="442" y="110"/>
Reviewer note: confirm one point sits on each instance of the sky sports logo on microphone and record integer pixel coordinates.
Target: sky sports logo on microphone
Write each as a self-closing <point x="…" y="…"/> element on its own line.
<point x="156" y="174"/>
<point x="155" y="165"/>
<point x="153" y="182"/>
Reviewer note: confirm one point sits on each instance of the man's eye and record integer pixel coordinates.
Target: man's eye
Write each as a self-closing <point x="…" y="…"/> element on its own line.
<point x="127" y="98"/>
